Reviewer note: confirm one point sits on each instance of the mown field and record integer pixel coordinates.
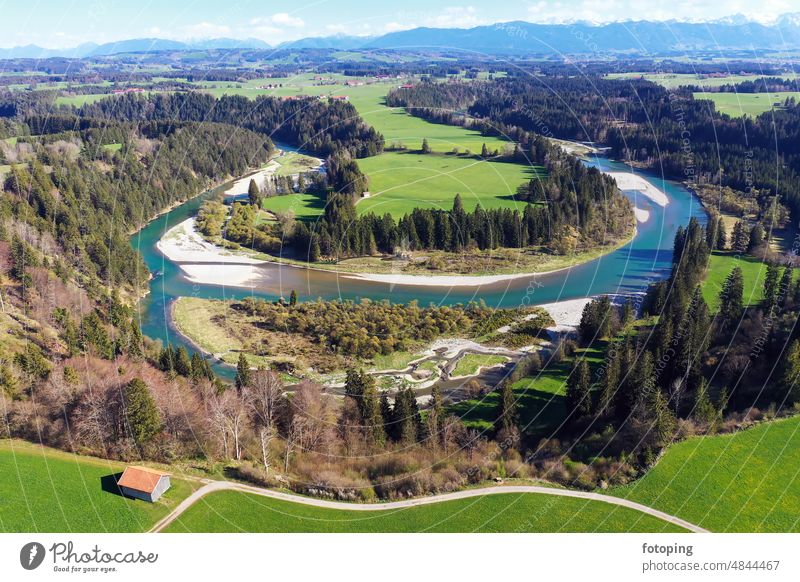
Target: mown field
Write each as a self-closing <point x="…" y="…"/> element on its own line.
<point x="743" y="482"/>
<point x="303" y="206"/>
<point x="400" y="182"/>
<point x="232" y="511"/>
<point x="44" y="490"/>
<point x="673" y="80"/>
<point x="720" y="266"/>
<point x="752" y="104"/>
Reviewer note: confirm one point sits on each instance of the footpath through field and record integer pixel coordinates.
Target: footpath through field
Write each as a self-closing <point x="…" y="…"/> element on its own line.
<point x="213" y="486"/>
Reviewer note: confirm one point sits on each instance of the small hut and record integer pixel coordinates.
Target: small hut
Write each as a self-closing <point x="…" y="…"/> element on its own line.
<point x="143" y="483"/>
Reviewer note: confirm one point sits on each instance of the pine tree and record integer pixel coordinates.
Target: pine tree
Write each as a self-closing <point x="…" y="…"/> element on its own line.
<point x="484" y="151"/>
<point x="426" y="148"/>
<point x="790" y="380"/>
<point x="756" y="238"/>
<point x="141" y="414"/>
<point x="722" y="236"/>
<point x="435" y="415"/>
<point x="731" y="302"/>
<point x="740" y="239"/>
<point x="785" y="290"/>
<point x="183" y="365"/>
<point x="254" y="194"/>
<point x="610" y="381"/>
<point x="243" y="372"/>
<point x="771" y="287"/>
<point x="293" y="298"/>
<point x="506" y="417"/>
<point x="704" y="411"/>
<point x="579" y="399"/>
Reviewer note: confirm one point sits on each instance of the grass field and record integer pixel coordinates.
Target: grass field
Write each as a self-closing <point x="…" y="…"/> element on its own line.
<point x="744" y="482"/>
<point x="720" y="266"/>
<point x="469" y="364"/>
<point x="403" y="180"/>
<point x="400" y="182"/>
<point x="304" y="206"/>
<point x="540" y="400"/>
<point x="231" y="511"/>
<point x="44" y="490"/>
<point x="752" y="104"/>
<point x="294" y="163"/>
<point x="673" y="80"/>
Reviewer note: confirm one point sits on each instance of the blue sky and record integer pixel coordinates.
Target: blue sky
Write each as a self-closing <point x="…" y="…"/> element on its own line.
<point x="65" y="23"/>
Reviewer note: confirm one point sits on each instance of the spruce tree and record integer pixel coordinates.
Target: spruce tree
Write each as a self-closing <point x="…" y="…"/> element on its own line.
<point x="243" y="373"/>
<point x="426" y="148"/>
<point x="506" y="418"/>
<point x="141" y="414"/>
<point x="579" y="400"/>
<point x="293" y="298"/>
<point x="790" y="379"/>
<point x="731" y="302"/>
<point x="254" y="194"/>
<point x="771" y="287"/>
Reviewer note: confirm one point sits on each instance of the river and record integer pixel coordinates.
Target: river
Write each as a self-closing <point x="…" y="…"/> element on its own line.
<point x="629" y="269"/>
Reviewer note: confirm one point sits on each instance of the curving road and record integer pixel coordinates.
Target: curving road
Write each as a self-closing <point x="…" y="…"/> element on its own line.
<point x="212" y="486"/>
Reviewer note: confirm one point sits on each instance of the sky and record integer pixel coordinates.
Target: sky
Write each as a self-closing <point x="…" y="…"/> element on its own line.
<point x="67" y="23"/>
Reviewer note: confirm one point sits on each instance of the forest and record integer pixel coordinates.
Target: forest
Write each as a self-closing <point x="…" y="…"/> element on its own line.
<point x="640" y="121"/>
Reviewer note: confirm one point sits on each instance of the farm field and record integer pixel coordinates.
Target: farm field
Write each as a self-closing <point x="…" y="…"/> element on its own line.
<point x="752" y="104"/>
<point x="400" y="182"/>
<point x="720" y="266"/>
<point x="44" y="490"/>
<point x="742" y="482"/>
<point x="673" y="80"/>
<point x="233" y="511"/>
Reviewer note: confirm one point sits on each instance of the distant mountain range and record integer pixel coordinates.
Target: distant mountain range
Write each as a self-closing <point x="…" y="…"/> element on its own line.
<point x="633" y="37"/>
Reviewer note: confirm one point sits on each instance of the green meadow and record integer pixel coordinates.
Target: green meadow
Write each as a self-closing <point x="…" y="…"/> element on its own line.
<point x="233" y="511"/>
<point x="402" y="181"/>
<point x="540" y="400"/>
<point x="303" y="206"/>
<point x="673" y="80"/>
<point x="720" y="266"/>
<point x="44" y="490"/>
<point x="748" y="481"/>
<point x="752" y="104"/>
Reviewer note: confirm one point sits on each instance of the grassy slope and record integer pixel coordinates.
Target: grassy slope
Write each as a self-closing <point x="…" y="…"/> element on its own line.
<point x="752" y="104"/>
<point x="230" y="511"/>
<point x="540" y="400"/>
<point x="744" y="482"/>
<point x="43" y="490"/>
<point x="720" y="266"/>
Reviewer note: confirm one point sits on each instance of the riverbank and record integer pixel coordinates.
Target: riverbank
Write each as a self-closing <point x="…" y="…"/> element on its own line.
<point x="630" y="181"/>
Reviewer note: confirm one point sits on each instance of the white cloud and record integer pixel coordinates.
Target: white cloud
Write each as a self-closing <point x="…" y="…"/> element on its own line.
<point x="396" y="26"/>
<point x="455" y="17"/>
<point x="279" y="19"/>
<point x="205" y="30"/>
<point x="558" y="11"/>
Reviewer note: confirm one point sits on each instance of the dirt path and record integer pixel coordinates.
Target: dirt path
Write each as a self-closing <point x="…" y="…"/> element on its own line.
<point x="213" y="486"/>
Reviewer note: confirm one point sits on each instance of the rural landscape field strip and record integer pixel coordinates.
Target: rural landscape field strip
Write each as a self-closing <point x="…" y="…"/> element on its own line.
<point x="739" y="482"/>
<point x="219" y="486"/>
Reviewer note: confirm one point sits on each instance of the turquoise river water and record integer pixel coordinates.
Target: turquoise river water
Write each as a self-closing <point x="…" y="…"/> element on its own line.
<point x="646" y="259"/>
